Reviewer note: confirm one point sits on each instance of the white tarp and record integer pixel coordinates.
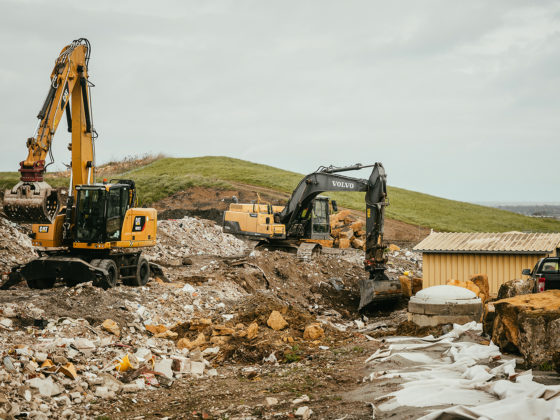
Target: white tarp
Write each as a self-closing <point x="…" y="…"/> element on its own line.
<point x="453" y="370"/>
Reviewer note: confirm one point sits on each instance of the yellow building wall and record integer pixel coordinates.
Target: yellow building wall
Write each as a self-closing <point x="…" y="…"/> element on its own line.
<point x="438" y="268"/>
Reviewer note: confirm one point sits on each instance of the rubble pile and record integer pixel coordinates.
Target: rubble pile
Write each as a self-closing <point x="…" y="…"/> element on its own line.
<point x="15" y="245"/>
<point x="347" y="231"/>
<point x="56" y="367"/>
<point x="190" y="236"/>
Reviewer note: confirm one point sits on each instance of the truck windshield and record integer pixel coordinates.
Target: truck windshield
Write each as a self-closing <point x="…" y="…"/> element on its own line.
<point x="90" y="215"/>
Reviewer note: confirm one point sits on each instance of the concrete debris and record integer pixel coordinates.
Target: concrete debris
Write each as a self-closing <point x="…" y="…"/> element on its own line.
<point x="304" y="412"/>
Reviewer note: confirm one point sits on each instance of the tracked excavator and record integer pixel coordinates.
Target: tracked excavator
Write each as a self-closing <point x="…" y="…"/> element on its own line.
<point x="95" y="232"/>
<point x="304" y="222"/>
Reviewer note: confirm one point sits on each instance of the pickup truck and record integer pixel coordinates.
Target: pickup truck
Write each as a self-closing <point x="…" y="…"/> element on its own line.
<point x="546" y="274"/>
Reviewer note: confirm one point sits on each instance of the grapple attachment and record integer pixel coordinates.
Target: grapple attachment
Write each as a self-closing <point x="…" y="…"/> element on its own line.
<point x="31" y="202"/>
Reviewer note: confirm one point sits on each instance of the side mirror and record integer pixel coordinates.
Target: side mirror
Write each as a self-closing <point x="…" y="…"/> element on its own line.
<point x="334" y="206"/>
<point x="526" y="272"/>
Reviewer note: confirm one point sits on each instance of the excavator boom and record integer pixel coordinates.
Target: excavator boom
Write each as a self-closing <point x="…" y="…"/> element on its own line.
<point x="33" y="200"/>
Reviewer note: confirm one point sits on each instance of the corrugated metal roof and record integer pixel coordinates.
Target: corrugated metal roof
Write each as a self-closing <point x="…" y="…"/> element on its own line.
<point x="510" y="242"/>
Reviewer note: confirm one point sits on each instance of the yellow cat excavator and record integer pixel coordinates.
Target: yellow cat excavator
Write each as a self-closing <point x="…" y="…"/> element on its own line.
<point x="95" y="234"/>
<point x="304" y="221"/>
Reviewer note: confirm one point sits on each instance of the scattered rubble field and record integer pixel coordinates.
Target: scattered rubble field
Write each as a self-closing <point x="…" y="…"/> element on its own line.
<point x="231" y="332"/>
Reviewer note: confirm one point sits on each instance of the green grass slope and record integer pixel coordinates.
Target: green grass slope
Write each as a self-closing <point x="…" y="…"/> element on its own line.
<point x="166" y="176"/>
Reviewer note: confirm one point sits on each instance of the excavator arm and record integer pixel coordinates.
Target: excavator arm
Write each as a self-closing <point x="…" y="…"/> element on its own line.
<point x="33" y="200"/>
<point x="378" y="286"/>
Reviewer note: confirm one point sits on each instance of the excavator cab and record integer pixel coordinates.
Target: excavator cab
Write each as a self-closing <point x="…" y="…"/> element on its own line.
<point x="100" y="212"/>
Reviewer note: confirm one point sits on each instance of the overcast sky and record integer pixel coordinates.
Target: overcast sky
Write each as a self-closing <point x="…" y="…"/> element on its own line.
<point x="459" y="99"/>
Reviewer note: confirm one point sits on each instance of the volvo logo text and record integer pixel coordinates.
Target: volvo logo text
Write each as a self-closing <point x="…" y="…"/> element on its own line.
<point x="342" y="184"/>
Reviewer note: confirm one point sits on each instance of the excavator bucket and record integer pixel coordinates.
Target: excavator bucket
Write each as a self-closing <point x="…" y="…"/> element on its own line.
<point x="31" y="202"/>
<point x="377" y="289"/>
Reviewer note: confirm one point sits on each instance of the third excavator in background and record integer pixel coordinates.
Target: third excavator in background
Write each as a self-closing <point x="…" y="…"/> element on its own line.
<point x="304" y="222"/>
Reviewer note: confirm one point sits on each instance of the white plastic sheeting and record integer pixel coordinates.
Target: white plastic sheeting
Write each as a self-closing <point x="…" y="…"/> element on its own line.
<point x="452" y="370"/>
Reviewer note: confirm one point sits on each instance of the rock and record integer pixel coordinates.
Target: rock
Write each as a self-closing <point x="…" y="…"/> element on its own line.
<point x="200" y="324"/>
<point x="185" y="343"/>
<point x="59" y="360"/>
<point x="164" y="366"/>
<point x="488" y="318"/>
<point x="69" y="370"/>
<point x="6" y="323"/>
<point x="516" y="287"/>
<point x="187" y="261"/>
<point x="271" y="401"/>
<point x="406" y="286"/>
<point x="41" y="357"/>
<point x="47" y="387"/>
<point x="481" y="280"/>
<point x="252" y="330"/>
<point x="211" y="351"/>
<point x="393" y="247"/>
<point x="111" y="326"/>
<point x="167" y="334"/>
<point x="220" y="340"/>
<point x="417" y="284"/>
<point x="156" y="329"/>
<point x="222" y="330"/>
<point x="276" y="321"/>
<point x="529" y="324"/>
<point x="313" y="332"/>
<point x="465" y="284"/>
<point x="304" y="412"/>
<point x="303" y="398"/>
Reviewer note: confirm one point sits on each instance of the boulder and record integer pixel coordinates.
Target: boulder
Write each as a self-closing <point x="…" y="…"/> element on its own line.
<point x="357" y="243"/>
<point x="417" y="284"/>
<point x="252" y="330"/>
<point x="343" y="243"/>
<point x="313" y="332"/>
<point x="406" y="286"/>
<point x="185" y="343"/>
<point x="516" y="287"/>
<point x="276" y="321"/>
<point x="467" y="285"/>
<point x="529" y="324"/>
<point x="481" y="280"/>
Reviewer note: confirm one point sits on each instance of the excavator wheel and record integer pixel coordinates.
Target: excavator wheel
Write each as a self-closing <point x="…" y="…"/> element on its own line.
<point x="142" y="273"/>
<point x="110" y="280"/>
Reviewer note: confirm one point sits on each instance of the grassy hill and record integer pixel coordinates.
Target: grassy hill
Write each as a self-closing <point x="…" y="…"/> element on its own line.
<point x="166" y="176"/>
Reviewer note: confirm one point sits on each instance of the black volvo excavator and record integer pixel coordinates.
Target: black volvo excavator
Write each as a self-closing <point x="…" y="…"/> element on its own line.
<point x="305" y="221"/>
